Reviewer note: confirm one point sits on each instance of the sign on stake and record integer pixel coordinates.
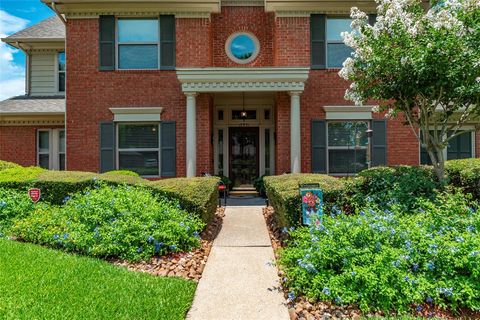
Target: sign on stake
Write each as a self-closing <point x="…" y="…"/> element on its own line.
<point x="34" y="194"/>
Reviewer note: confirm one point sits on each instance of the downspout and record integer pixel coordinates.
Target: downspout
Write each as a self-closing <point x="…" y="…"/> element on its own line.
<point x="54" y="8"/>
<point x="27" y="68"/>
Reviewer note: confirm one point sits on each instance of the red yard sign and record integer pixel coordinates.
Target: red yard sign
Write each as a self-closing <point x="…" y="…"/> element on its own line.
<point x="34" y="194"/>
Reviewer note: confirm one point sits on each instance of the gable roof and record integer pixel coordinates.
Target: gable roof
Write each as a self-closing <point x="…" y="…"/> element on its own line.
<point x="51" y="29"/>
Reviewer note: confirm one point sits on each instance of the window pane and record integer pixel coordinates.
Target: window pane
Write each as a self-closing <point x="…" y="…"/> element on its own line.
<point x="144" y="163"/>
<point x="347" y="161"/>
<point x="138" y="56"/>
<point x="335" y="27"/>
<point x="138" y="30"/>
<point x="460" y="147"/>
<point x="347" y="134"/>
<point x="43" y="161"/>
<point x="61" y="161"/>
<point x="61" y="61"/>
<point x="337" y="53"/>
<point x="61" y="82"/>
<point x="43" y="141"/>
<point x="61" y="141"/>
<point x="137" y="136"/>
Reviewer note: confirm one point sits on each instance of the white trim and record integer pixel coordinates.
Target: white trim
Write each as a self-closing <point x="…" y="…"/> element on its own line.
<point x="242" y="79"/>
<point x="255" y="53"/>
<point x="348" y="112"/>
<point x="137" y="114"/>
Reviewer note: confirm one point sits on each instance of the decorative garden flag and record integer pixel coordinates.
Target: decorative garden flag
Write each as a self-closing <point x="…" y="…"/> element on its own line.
<point x="34" y="194"/>
<point x="312" y="204"/>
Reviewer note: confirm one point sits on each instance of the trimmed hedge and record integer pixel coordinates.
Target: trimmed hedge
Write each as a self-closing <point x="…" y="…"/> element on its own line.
<point x="196" y="195"/>
<point x="283" y="194"/>
<point x="7" y="165"/>
<point x="122" y="172"/>
<point x="386" y="186"/>
<point x="465" y="173"/>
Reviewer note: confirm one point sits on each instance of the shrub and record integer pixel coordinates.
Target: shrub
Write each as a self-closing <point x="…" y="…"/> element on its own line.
<point x="13" y="204"/>
<point x="283" y="194"/>
<point x="259" y="185"/>
<point x="122" y="172"/>
<point x="465" y="174"/>
<point x="385" y="186"/>
<point x="7" y="165"/>
<point x="124" y="221"/>
<point x="196" y="195"/>
<point x="388" y="260"/>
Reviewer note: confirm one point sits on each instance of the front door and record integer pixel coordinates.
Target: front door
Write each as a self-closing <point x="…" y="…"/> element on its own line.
<point x="243" y="145"/>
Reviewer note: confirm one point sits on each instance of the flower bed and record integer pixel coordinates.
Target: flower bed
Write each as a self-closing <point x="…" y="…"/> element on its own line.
<point x="388" y="259"/>
<point x="124" y="221"/>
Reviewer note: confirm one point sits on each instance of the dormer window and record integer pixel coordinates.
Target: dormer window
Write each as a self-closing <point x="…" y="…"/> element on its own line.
<point x="61" y="71"/>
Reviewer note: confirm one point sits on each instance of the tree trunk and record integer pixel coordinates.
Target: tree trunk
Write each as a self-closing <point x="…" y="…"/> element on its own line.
<point x="438" y="162"/>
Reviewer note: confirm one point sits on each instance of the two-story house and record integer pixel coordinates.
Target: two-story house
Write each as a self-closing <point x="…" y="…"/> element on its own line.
<point x="239" y="88"/>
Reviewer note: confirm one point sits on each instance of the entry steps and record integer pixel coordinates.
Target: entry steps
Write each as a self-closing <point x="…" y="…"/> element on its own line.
<point x="243" y="191"/>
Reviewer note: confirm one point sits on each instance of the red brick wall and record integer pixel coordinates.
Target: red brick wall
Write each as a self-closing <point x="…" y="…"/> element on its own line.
<point x="292" y="42"/>
<point x="193" y="42"/>
<point x="282" y="129"/>
<point x="90" y="94"/>
<point x="246" y="19"/>
<point x="19" y="144"/>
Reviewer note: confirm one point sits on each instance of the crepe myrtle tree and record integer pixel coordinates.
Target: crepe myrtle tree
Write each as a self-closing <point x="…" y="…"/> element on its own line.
<point x="423" y="65"/>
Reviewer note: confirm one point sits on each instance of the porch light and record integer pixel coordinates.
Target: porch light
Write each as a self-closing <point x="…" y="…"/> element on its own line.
<point x="243" y="114"/>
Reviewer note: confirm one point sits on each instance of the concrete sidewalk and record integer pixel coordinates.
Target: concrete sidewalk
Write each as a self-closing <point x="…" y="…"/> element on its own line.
<point x="238" y="281"/>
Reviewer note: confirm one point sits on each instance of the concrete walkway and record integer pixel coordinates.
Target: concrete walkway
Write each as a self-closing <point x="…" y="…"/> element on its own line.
<point x="238" y="281"/>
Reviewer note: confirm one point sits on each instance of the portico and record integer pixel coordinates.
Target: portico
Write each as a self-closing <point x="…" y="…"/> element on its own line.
<point x="245" y="81"/>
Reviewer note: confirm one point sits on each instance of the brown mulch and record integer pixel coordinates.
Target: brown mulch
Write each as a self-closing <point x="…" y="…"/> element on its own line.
<point x="303" y="309"/>
<point x="187" y="265"/>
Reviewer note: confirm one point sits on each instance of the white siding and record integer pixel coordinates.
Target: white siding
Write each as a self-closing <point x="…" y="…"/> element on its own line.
<point x="43" y="74"/>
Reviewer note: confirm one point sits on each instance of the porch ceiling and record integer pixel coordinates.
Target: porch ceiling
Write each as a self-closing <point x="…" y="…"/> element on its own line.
<point x="242" y="79"/>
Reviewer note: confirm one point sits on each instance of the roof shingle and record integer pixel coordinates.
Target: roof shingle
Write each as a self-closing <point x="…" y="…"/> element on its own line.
<point x="51" y="28"/>
<point x="32" y="105"/>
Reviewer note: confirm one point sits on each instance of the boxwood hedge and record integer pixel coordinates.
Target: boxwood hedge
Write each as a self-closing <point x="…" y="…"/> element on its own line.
<point x="6" y="165"/>
<point x="283" y="194"/>
<point x="196" y="195"/>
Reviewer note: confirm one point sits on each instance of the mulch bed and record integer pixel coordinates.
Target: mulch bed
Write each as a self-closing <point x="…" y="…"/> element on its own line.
<point x="303" y="309"/>
<point x="187" y="265"/>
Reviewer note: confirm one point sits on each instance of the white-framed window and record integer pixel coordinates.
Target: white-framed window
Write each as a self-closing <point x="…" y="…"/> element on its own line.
<point x="336" y="51"/>
<point x="61" y="69"/>
<point x="138" y="43"/>
<point x="138" y="148"/>
<point x="348" y="149"/>
<point x="460" y="147"/>
<point x="51" y="149"/>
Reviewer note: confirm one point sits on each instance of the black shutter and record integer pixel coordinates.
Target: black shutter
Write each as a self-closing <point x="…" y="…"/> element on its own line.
<point x="379" y="143"/>
<point x="372" y="18"/>
<point x="317" y="41"/>
<point x="167" y="42"/>
<point x="168" y="149"/>
<point x="319" y="146"/>
<point x="106" y="49"/>
<point x="107" y="146"/>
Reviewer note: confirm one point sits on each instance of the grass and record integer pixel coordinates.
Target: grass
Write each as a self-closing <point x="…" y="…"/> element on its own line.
<point x="40" y="283"/>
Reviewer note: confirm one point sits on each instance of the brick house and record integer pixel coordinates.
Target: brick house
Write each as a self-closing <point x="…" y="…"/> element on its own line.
<point x="239" y="88"/>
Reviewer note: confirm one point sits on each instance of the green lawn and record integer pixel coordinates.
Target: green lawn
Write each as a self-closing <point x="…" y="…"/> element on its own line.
<point x="39" y="283"/>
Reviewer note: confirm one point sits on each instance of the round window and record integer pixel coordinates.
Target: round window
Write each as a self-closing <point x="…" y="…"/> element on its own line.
<point x="242" y="47"/>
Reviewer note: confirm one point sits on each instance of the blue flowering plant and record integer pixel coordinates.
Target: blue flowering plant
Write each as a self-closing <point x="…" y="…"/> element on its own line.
<point x="390" y="259"/>
<point x="106" y="221"/>
<point x="13" y="205"/>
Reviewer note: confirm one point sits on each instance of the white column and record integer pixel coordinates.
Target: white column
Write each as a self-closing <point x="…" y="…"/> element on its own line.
<point x="191" y="135"/>
<point x="295" y="146"/>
